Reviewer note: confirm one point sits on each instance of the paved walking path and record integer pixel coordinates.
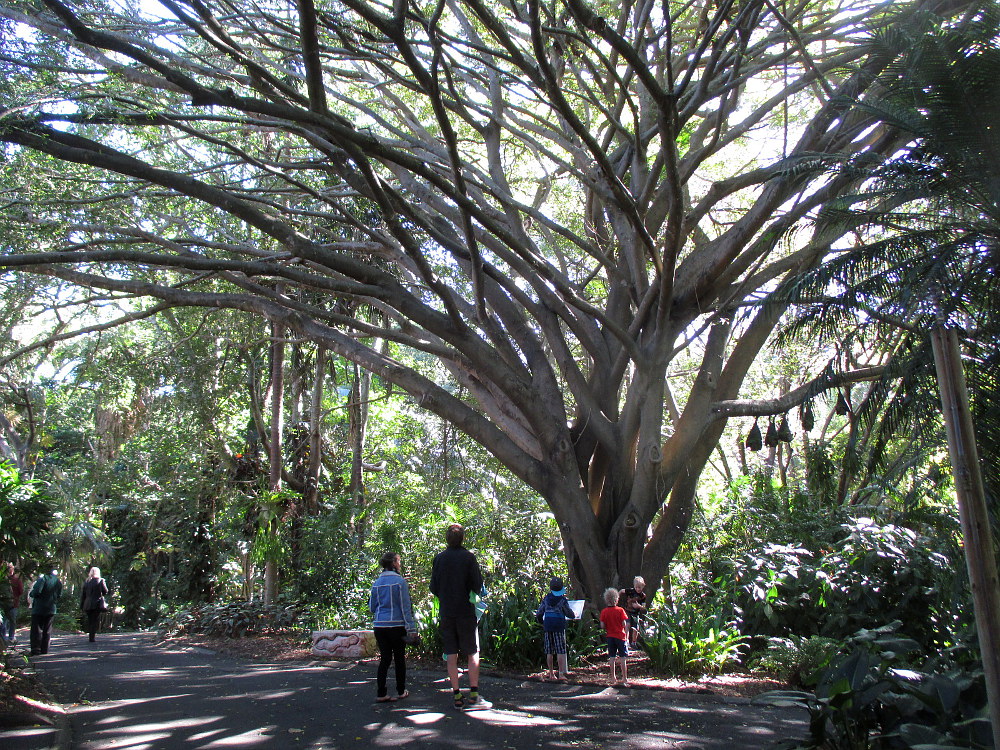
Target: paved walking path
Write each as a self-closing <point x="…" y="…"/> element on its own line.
<point x="126" y="692"/>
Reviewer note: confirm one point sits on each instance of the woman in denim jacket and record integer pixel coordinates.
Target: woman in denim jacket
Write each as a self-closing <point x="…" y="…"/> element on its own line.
<point x="392" y="619"/>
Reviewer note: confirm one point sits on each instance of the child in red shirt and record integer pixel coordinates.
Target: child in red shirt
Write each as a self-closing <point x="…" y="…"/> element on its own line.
<point x="614" y="619"/>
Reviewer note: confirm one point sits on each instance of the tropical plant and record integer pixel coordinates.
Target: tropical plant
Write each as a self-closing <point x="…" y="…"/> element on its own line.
<point x="510" y="636"/>
<point x="930" y="246"/>
<point x="682" y="639"/>
<point x="868" y="571"/>
<point x="867" y="698"/>
<point x="26" y="515"/>
<point x="795" y="658"/>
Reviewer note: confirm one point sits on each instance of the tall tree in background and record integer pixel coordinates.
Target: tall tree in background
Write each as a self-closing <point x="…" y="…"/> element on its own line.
<point x="559" y="202"/>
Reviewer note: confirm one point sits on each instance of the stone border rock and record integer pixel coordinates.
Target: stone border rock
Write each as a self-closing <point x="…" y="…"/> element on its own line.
<point x="344" y="644"/>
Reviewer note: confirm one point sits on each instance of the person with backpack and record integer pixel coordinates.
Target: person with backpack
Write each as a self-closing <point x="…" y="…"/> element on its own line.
<point x="552" y="613"/>
<point x="44" y="597"/>
<point x="93" y="600"/>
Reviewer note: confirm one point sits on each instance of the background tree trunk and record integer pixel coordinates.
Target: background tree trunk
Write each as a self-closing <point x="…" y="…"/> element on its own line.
<point x="276" y="459"/>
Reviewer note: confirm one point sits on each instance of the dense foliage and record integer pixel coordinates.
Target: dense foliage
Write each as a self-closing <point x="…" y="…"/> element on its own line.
<point x="197" y="454"/>
<point x="26" y="514"/>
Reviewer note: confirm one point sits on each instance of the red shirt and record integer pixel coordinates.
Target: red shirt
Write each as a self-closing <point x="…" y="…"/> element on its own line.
<point x="613" y="619"/>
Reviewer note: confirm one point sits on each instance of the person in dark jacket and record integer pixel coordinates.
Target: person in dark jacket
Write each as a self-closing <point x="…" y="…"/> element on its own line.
<point x="16" y="592"/>
<point x="456" y="580"/>
<point x="392" y="619"/>
<point x="92" y="600"/>
<point x="6" y="600"/>
<point x="44" y="598"/>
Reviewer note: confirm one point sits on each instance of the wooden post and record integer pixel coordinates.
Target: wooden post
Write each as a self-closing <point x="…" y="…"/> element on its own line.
<point x="978" y="539"/>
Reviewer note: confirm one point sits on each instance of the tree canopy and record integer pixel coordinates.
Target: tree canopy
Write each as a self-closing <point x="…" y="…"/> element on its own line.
<point x="581" y="211"/>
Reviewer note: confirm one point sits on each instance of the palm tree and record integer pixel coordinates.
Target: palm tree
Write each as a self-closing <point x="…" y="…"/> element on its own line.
<point x="927" y="262"/>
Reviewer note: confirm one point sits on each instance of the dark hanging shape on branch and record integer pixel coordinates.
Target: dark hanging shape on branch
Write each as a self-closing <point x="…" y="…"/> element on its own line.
<point x="808" y="420"/>
<point x="754" y="441"/>
<point x="771" y="438"/>
<point x="841" y="408"/>
<point x="784" y="431"/>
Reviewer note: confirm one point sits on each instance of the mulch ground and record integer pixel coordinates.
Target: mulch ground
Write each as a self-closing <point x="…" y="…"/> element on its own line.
<point x="23" y="698"/>
<point x="285" y="648"/>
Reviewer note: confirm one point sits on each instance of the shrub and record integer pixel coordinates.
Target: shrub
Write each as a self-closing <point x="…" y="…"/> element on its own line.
<point x="866" y="698"/>
<point x="238" y="619"/>
<point x="681" y="640"/>
<point x="794" y="659"/>
<point x="510" y="636"/>
<point x="874" y="573"/>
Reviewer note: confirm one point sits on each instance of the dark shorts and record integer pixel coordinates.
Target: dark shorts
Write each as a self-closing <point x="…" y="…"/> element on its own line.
<point x="555" y="641"/>
<point x="459" y="634"/>
<point x="616" y="647"/>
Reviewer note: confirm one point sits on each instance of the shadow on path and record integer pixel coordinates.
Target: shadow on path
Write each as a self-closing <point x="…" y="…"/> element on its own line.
<point x="126" y="692"/>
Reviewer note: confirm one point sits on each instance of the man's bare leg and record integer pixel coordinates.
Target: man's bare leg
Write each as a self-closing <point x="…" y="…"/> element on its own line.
<point x="453" y="670"/>
<point x="473" y="671"/>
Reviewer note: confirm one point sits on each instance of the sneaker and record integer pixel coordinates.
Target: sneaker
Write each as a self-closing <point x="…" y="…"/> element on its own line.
<point x="477" y="703"/>
<point x="459" y="701"/>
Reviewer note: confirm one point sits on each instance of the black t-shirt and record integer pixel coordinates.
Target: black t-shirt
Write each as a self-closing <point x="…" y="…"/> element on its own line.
<point x="632" y="598"/>
<point x="454" y="575"/>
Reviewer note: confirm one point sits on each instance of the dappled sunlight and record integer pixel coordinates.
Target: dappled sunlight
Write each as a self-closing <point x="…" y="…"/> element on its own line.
<point x="141" y="742"/>
<point x="146" y="703"/>
<point x="147" y="674"/>
<point x="270" y="695"/>
<point x="515" y="719"/>
<point x="166" y="727"/>
<point x="133" y="703"/>
<point x="425" y="717"/>
<point x="201" y="736"/>
<point x="394" y="735"/>
<point x="251" y="738"/>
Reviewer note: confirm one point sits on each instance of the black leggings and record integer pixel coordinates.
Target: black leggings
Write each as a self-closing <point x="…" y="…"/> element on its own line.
<point x="93" y="620"/>
<point x="391" y="647"/>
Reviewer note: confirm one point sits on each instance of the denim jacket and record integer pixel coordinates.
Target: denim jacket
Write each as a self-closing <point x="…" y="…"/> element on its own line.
<point x="389" y="602"/>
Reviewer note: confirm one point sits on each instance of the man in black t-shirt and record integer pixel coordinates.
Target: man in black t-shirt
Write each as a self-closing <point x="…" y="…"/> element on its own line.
<point x="634" y="604"/>
<point x="455" y="580"/>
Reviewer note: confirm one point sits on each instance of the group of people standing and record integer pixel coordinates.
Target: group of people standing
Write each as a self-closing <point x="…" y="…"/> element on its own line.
<point x="43" y="600"/>
<point x="457" y="582"/>
<point x="621" y="618"/>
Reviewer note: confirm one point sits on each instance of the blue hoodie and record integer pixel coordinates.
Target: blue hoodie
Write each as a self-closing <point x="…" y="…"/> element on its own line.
<point x="389" y="602"/>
